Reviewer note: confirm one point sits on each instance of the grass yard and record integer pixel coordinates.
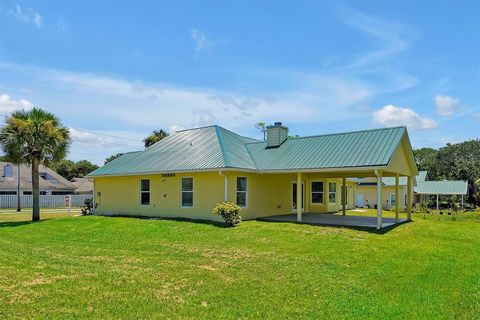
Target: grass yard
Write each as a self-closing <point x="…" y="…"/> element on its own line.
<point x="100" y="267"/>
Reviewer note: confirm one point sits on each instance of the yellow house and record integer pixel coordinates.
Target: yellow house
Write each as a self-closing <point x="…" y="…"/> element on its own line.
<point x="189" y="172"/>
<point x="366" y="192"/>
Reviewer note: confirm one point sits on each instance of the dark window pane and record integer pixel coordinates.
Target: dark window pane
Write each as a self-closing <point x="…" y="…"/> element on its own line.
<point x="317" y="197"/>
<point x="241" y="199"/>
<point x="332" y="198"/>
<point x="145" y="198"/>
<point x="145" y="185"/>
<point x="317" y="186"/>
<point x="332" y="187"/>
<point x="187" y="199"/>
<point x="187" y="184"/>
<point x="241" y="184"/>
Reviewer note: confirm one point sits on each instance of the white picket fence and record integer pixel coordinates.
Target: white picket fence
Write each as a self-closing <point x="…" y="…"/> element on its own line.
<point x="46" y="201"/>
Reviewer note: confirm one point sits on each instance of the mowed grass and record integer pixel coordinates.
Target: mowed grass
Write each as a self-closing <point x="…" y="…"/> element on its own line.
<point x="126" y="268"/>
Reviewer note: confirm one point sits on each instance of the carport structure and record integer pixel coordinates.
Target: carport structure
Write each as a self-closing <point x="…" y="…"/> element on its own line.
<point x="441" y="188"/>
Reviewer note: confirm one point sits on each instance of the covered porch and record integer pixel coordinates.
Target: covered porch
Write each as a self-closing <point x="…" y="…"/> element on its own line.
<point x="338" y="220"/>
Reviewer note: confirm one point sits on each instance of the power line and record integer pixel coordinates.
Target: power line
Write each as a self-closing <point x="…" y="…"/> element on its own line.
<point x="104" y="143"/>
<point x="106" y="135"/>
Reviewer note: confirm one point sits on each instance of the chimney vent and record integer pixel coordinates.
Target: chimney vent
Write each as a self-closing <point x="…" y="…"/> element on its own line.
<point x="276" y="135"/>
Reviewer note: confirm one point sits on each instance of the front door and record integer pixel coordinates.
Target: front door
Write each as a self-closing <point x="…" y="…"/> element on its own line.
<point x="359" y="201"/>
<point x="294" y="197"/>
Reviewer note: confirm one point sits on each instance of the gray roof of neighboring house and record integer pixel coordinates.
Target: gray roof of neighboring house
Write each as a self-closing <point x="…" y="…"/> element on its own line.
<point x="214" y="147"/>
<point x="50" y="181"/>
<point x="82" y="185"/>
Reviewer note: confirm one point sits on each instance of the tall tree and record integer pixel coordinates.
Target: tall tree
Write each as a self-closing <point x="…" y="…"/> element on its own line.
<point x="34" y="137"/>
<point x="64" y="168"/>
<point x="112" y="157"/>
<point x="156" y="136"/>
<point x="426" y="159"/>
<point x="82" y="168"/>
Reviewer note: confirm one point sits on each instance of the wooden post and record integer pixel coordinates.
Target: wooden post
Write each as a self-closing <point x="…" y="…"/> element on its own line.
<point x="462" y="201"/>
<point x="299" y="197"/>
<point x="397" y="180"/>
<point x="409" y="198"/>
<point x="379" y="200"/>
<point x="344" y="196"/>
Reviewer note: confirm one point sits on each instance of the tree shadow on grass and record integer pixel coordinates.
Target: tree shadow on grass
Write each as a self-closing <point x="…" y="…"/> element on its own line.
<point x="10" y="224"/>
<point x="217" y="224"/>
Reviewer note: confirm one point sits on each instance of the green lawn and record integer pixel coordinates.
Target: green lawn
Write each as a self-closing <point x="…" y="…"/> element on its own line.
<point x="100" y="267"/>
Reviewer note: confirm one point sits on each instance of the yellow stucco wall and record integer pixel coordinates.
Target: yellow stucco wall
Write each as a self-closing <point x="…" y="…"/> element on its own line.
<point x="267" y="194"/>
<point x="370" y="194"/>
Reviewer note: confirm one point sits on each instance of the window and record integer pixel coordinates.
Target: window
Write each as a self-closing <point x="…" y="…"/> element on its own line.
<point x="145" y="192"/>
<point x="392" y="199"/>
<point x="242" y="191"/>
<point x="187" y="192"/>
<point x="317" y="192"/>
<point x="332" y="192"/>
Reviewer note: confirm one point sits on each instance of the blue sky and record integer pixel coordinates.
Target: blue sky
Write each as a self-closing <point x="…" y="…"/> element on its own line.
<point x="115" y="70"/>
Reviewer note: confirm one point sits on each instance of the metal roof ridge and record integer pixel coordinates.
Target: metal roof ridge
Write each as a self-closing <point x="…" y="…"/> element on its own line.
<point x="221" y="142"/>
<point x="346" y="132"/>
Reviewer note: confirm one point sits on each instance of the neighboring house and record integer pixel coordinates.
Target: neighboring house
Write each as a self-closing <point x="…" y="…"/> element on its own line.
<point x="366" y="192"/>
<point x="190" y="171"/>
<point x="82" y="185"/>
<point x="425" y="189"/>
<point x="51" y="183"/>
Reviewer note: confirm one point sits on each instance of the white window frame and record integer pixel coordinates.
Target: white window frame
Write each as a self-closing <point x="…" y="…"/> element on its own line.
<point x="182" y="192"/>
<point x="391" y="203"/>
<point x="334" y="192"/>
<point x="312" y="192"/>
<point x="149" y="193"/>
<point x="246" y="192"/>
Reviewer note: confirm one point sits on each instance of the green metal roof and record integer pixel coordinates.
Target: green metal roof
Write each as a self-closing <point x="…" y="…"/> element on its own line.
<point x="446" y="187"/>
<point x="214" y="147"/>
<point x="341" y="150"/>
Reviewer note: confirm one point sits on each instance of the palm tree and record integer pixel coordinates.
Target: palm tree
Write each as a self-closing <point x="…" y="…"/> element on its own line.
<point x="34" y="137"/>
<point x="156" y="136"/>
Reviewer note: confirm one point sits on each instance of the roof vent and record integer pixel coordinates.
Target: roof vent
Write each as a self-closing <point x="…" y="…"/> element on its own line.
<point x="276" y="135"/>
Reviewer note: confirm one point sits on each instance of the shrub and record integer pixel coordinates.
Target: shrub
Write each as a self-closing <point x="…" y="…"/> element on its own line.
<point x="87" y="209"/>
<point x="229" y="212"/>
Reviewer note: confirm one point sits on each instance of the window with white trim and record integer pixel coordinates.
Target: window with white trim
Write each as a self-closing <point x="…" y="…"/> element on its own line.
<point x="242" y="191"/>
<point x="187" y="192"/>
<point x="145" y="192"/>
<point x="332" y="192"/>
<point x="392" y="199"/>
<point x="317" y="192"/>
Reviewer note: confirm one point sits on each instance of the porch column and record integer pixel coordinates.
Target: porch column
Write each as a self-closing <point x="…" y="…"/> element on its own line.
<point x="397" y="178"/>
<point x="409" y="198"/>
<point x="299" y="197"/>
<point x="437" y="201"/>
<point x="462" y="201"/>
<point x="379" y="199"/>
<point x="344" y="195"/>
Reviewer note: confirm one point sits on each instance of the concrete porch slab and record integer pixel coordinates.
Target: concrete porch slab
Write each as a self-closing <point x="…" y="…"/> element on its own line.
<point x="329" y="219"/>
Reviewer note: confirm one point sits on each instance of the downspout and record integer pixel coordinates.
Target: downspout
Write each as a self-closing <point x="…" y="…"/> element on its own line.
<point x="225" y="191"/>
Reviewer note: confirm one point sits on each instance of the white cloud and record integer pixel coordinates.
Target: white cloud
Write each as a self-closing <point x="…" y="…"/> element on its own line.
<point x="7" y="104"/>
<point x="28" y="16"/>
<point x="201" y="41"/>
<point x="445" y="105"/>
<point x="391" y="115"/>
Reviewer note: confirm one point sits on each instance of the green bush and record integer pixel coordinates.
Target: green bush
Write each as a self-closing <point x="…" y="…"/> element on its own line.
<point x="87" y="209"/>
<point x="229" y="212"/>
